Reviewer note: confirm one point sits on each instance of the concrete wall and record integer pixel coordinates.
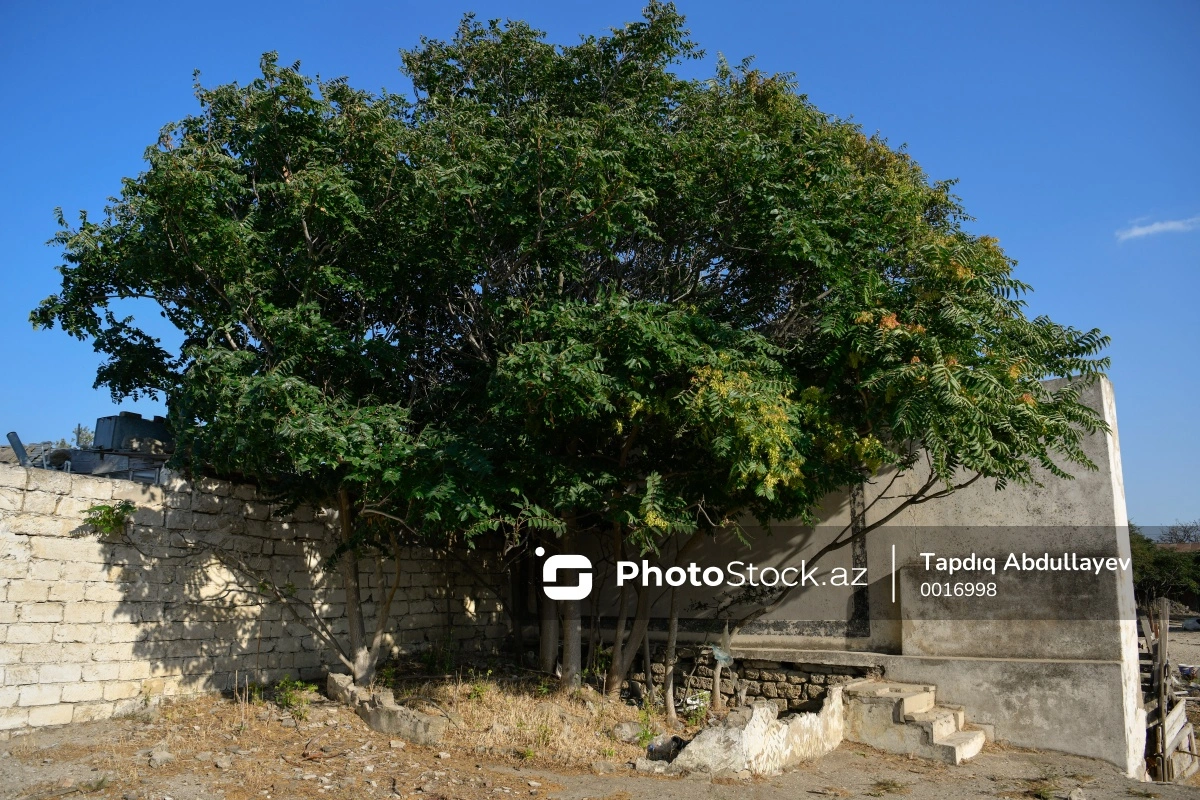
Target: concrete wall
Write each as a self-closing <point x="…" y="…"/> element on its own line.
<point x="91" y="628"/>
<point x="1052" y="661"/>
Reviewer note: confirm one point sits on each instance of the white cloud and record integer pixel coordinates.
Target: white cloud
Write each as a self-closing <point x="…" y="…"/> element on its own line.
<point x="1153" y="228"/>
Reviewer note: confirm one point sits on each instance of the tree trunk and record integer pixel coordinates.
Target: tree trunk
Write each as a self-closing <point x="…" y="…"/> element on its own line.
<point x="572" y="655"/>
<point x="517" y="597"/>
<point x="669" y="660"/>
<point x="623" y="656"/>
<point x="718" y="699"/>
<point x="572" y="628"/>
<point x="547" y="635"/>
<point x="649" y="668"/>
<point x="360" y="654"/>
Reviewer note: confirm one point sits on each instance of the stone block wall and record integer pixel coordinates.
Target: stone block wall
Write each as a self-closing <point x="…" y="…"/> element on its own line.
<point x="94" y="626"/>
<point x="792" y="686"/>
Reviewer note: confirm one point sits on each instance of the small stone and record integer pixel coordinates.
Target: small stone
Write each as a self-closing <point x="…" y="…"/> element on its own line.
<point x="160" y="758"/>
<point x="396" y="744"/>
<point x="223" y="761"/>
<point x="204" y="756"/>
<point x="627" y="732"/>
<point x="288" y="722"/>
<point x="369" y="768"/>
<point x="443" y="755"/>
<point x="603" y="767"/>
<point x="743" y="775"/>
<point x="532" y="784"/>
<point x="1076" y="794"/>
<point x="131" y="796"/>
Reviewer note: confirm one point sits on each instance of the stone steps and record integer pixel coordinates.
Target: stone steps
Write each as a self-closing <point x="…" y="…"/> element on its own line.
<point x="906" y="718"/>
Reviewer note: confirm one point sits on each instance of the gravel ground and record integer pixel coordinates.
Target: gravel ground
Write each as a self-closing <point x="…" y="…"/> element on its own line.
<point x="211" y="748"/>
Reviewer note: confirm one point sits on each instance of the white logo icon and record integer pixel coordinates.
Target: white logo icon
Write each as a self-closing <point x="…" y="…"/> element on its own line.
<point x="561" y="562"/>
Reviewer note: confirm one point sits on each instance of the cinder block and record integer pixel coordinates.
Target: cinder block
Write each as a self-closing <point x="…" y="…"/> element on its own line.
<point x="74" y="632"/>
<point x="122" y="690"/>
<point x="41" y="525"/>
<point x="60" y="673"/>
<point x="39" y="695"/>
<point x="45" y="480"/>
<point x="90" y="712"/>
<point x="178" y="519"/>
<point x="40" y="612"/>
<point x="50" y="715"/>
<point x="76" y="653"/>
<point x="67" y="592"/>
<point x="133" y="670"/>
<point x="82" y="612"/>
<point x="180" y="500"/>
<point x="83" y="572"/>
<point x="143" y="495"/>
<point x="13" y="477"/>
<point x="11" y="499"/>
<point x="89" y="488"/>
<point x="214" y="486"/>
<point x="28" y="591"/>
<point x="100" y="671"/>
<point x="103" y="592"/>
<point x="13" y="718"/>
<point x="43" y="570"/>
<point x="75" y="507"/>
<point x="29" y="634"/>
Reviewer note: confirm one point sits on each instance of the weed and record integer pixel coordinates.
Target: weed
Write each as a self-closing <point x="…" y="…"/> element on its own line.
<point x="646" y="733"/>
<point x="888" y="786"/>
<point x="109" y="520"/>
<point x="292" y="695"/>
<point x="1132" y="792"/>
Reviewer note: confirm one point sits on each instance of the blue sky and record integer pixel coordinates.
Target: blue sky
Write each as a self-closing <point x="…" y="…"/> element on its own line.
<point x="1071" y="126"/>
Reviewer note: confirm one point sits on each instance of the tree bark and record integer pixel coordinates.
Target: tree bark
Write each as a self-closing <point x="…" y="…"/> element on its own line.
<point x="649" y="667"/>
<point x="669" y="660"/>
<point x="572" y="652"/>
<point x="623" y="656"/>
<point x="572" y="628"/>
<point x="360" y="654"/>
<point x="547" y="635"/>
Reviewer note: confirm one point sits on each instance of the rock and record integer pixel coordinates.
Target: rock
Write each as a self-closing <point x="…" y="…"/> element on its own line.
<point x="382" y="715"/>
<point x="1076" y="794"/>
<point x="664" y="747"/>
<point x="369" y="768"/>
<point x="160" y="757"/>
<point x="396" y="744"/>
<point x="131" y="795"/>
<point x="652" y="767"/>
<point x="744" y="775"/>
<point x="532" y="784"/>
<point x="443" y="755"/>
<point x="756" y="740"/>
<point x="628" y="732"/>
<point x="288" y="722"/>
<point x="204" y="756"/>
<point x="223" y="761"/>
<point x="603" y="767"/>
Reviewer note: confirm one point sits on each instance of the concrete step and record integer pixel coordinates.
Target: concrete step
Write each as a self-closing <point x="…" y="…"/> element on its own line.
<point x="938" y="722"/>
<point x="906" y="718"/>
<point x="906" y="698"/>
<point x="959" y="746"/>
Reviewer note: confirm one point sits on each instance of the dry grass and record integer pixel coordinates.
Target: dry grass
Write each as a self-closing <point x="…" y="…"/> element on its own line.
<point x="528" y="720"/>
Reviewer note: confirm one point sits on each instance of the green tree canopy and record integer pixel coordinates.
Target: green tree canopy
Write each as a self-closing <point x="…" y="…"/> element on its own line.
<point x="562" y="281"/>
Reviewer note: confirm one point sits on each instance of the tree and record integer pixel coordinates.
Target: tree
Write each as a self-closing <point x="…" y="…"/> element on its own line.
<point x="1159" y="571"/>
<point x="567" y="250"/>
<point x="1181" y="533"/>
<point x="265" y="229"/>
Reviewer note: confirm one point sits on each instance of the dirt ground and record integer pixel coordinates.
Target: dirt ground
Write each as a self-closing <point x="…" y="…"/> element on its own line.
<point x="216" y="748"/>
